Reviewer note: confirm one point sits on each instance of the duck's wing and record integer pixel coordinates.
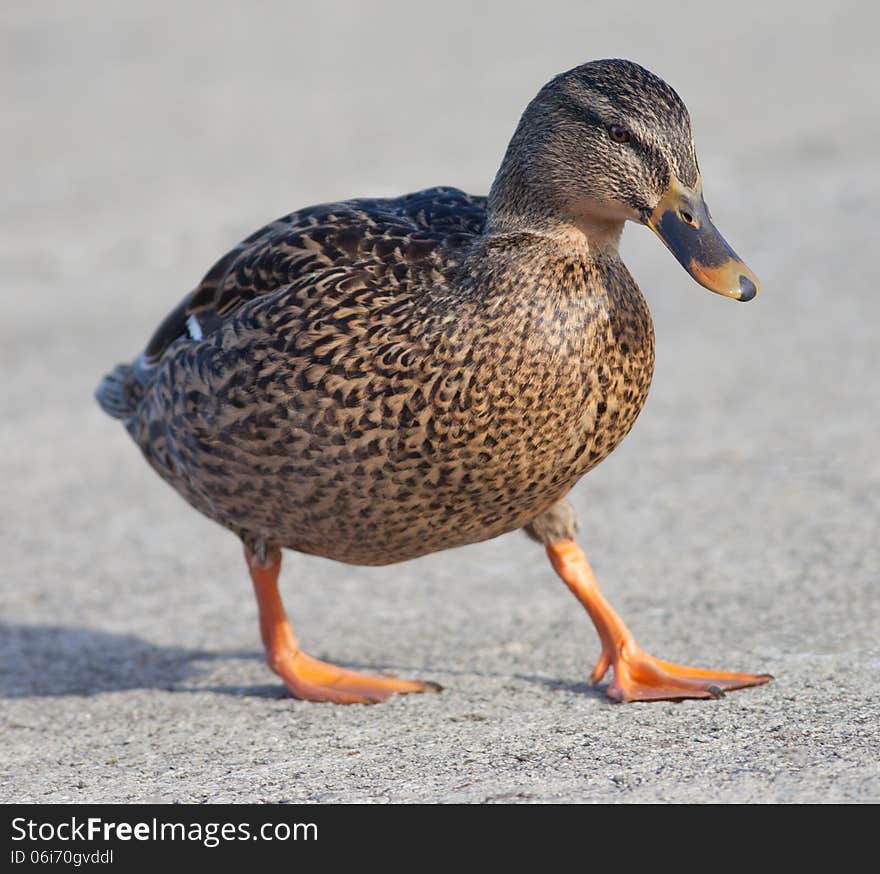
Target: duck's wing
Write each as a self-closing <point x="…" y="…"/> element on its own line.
<point x="417" y="227"/>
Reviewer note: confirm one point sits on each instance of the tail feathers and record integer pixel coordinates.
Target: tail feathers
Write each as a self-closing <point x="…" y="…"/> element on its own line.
<point x="120" y="392"/>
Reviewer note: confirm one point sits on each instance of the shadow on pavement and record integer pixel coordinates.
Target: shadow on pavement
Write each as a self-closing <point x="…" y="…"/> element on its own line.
<point x="49" y="660"/>
<point x="576" y="688"/>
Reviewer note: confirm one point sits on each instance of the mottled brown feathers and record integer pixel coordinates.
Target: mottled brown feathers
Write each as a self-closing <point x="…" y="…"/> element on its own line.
<point x="378" y="407"/>
<point x="378" y="379"/>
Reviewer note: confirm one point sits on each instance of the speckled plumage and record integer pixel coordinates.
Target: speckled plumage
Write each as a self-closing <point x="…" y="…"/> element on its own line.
<point x="374" y="380"/>
<point x="378" y="381"/>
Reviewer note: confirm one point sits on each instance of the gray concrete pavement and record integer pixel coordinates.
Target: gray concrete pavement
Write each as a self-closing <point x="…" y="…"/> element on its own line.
<point x="736" y="527"/>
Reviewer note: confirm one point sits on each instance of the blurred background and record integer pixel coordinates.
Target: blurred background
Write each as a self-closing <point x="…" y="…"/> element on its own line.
<point x="736" y="526"/>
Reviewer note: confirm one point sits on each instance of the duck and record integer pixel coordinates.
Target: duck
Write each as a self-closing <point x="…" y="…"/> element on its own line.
<point x="374" y="380"/>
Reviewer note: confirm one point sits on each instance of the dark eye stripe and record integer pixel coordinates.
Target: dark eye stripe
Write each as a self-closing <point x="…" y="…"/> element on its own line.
<point x="579" y="111"/>
<point x="584" y="113"/>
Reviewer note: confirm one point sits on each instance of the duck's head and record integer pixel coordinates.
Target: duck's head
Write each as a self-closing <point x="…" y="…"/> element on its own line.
<point x="609" y="142"/>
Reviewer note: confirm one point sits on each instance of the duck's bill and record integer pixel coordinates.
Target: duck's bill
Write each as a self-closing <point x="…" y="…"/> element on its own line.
<point x="682" y="221"/>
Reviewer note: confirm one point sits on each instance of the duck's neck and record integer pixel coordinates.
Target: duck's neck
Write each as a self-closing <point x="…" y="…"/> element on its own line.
<point x="561" y="275"/>
<point x="578" y="228"/>
<point x="584" y="238"/>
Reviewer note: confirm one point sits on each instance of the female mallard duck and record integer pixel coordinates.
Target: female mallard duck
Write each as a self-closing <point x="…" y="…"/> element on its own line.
<point x="374" y="380"/>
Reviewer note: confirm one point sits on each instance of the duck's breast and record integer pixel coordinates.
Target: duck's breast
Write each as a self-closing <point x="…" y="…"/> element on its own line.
<point x="372" y="426"/>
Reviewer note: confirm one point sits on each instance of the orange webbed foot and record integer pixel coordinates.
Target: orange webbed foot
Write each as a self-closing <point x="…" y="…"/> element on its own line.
<point x="310" y="679"/>
<point x="637" y="675"/>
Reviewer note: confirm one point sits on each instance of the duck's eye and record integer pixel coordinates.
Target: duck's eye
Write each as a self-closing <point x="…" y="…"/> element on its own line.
<point x="618" y="133"/>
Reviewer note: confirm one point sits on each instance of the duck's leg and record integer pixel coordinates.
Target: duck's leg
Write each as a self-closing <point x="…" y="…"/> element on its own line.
<point x="306" y="677"/>
<point x="638" y="676"/>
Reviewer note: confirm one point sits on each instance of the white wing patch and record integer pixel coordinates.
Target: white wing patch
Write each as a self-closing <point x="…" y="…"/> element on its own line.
<point x="194" y="328"/>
